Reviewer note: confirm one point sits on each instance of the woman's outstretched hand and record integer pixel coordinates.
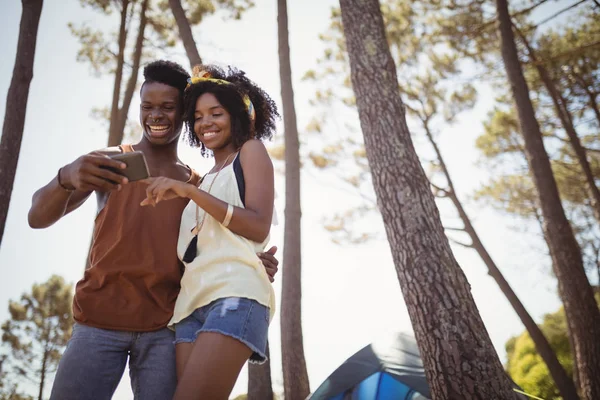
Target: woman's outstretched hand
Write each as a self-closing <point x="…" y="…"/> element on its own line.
<point x="161" y="188"/>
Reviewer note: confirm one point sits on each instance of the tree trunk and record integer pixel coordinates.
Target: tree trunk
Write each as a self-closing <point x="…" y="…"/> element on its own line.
<point x="259" y="380"/>
<point x="563" y="381"/>
<point x="562" y="111"/>
<point x="459" y="358"/>
<point x="580" y="153"/>
<point x="16" y="103"/>
<point x="594" y="103"/>
<point x="581" y="310"/>
<point x="117" y="136"/>
<point x="185" y="32"/>
<point x="43" y="374"/>
<point x="113" y="132"/>
<point x="295" y="376"/>
<point x="572" y="347"/>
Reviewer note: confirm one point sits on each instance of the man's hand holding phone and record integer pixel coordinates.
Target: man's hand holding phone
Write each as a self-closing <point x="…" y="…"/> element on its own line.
<point x="93" y="171"/>
<point x="97" y="171"/>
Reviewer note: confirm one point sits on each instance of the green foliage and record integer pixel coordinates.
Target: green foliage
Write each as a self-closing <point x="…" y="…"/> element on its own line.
<point x="96" y="50"/>
<point x="37" y="332"/>
<point x="98" y="47"/>
<point x="525" y="365"/>
<point x="574" y="68"/>
<point x="511" y="188"/>
<point x="9" y="390"/>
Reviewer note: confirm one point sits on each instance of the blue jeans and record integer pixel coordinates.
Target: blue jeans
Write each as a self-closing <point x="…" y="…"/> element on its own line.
<point x="94" y="360"/>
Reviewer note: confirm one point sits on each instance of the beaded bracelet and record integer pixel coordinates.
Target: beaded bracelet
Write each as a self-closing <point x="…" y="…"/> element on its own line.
<point x="61" y="184"/>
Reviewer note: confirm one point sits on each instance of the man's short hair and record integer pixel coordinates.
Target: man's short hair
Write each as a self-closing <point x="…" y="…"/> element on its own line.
<point x="168" y="73"/>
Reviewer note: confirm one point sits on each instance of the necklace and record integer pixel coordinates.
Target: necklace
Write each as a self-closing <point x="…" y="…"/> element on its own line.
<point x="192" y="249"/>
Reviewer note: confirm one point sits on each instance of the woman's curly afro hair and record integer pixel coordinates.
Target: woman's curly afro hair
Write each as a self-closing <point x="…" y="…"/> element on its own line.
<point x="231" y="98"/>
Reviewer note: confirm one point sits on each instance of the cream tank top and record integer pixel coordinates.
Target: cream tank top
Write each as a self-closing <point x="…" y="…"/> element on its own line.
<point x="226" y="264"/>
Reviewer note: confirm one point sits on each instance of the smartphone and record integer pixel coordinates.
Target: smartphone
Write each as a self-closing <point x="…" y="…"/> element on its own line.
<point x="137" y="168"/>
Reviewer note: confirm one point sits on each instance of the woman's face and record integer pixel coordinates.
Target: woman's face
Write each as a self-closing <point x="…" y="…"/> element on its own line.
<point x="212" y="122"/>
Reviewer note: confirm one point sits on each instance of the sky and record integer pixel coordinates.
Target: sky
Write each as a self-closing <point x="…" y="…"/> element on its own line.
<point x="351" y="293"/>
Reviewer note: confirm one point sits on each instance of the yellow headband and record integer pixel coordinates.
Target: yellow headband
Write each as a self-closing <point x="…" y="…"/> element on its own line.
<point x="204" y="76"/>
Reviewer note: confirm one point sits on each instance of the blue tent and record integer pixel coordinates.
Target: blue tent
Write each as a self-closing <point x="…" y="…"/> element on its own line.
<point x="389" y="369"/>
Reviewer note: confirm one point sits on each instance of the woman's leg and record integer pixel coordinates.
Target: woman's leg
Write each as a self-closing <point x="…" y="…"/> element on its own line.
<point x="182" y="354"/>
<point x="212" y="368"/>
<point x="233" y="330"/>
<point x="186" y="332"/>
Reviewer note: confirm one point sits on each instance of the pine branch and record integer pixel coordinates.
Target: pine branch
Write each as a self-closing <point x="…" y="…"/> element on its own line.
<point x="556" y="14"/>
<point x="450" y="228"/>
<point x="445" y="192"/>
<point x="468" y="246"/>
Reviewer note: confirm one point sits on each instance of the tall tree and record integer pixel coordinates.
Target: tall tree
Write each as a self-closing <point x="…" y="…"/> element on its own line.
<point x="562" y="111"/>
<point x="459" y="359"/>
<point x="38" y="330"/>
<point x="582" y="312"/>
<point x="427" y="99"/>
<point x="511" y="188"/>
<point x="118" y="115"/>
<point x="563" y="382"/>
<point x="295" y="375"/>
<point x="134" y="18"/>
<point x="429" y="94"/>
<point x="16" y="103"/>
<point x="185" y="32"/>
<point x="259" y="380"/>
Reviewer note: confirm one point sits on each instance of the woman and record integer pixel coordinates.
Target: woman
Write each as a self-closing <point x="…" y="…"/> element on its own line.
<point x="226" y="301"/>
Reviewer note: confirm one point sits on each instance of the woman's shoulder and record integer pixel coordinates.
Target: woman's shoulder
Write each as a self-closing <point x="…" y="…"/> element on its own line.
<point x="253" y="146"/>
<point x="253" y="150"/>
<point x="254" y="156"/>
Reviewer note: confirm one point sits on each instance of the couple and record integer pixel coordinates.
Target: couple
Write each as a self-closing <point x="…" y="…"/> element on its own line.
<point x="187" y="327"/>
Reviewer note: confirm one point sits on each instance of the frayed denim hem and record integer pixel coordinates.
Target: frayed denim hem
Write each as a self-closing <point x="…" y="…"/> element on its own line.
<point x="184" y="340"/>
<point x="257" y="357"/>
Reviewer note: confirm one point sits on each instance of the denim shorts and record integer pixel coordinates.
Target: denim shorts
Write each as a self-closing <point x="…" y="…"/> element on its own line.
<point x="240" y="318"/>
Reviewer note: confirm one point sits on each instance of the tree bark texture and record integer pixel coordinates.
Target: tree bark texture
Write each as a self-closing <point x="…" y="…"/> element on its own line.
<point x="574" y="288"/>
<point x="43" y="374"/>
<point x="16" y="103"/>
<point x="295" y="376"/>
<point x="260" y="386"/>
<point x="459" y="358"/>
<point x="564" y="383"/>
<point x="185" y="32"/>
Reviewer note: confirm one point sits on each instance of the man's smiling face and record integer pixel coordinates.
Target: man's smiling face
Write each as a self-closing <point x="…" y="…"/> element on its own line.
<point x="160" y="113"/>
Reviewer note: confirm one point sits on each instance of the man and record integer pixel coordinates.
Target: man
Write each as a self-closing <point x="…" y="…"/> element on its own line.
<point x="126" y="298"/>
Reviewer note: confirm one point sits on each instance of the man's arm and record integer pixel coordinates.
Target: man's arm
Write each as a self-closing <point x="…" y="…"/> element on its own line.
<point x="270" y="262"/>
<point x="72" y="185"/>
